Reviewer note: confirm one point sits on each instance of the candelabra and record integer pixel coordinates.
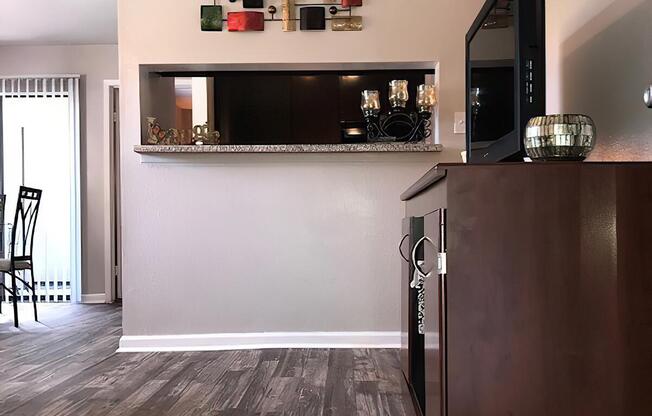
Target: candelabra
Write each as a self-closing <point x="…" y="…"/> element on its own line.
<point x="399" y="124"/>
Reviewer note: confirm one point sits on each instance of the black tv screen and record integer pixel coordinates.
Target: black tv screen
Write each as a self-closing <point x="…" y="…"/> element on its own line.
<point x="492" y="112"/>
<point x="492" y="56"/>
<point x="505" y="77"/>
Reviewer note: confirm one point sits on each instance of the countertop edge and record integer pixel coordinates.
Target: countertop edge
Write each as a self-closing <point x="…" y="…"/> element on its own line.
<point x="434" y="175"/>
<point x="293" y="148"/>
<point x="439" y="171"/>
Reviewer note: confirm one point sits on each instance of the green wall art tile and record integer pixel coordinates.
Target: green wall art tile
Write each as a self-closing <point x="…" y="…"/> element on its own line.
<point x="211" y="18"/>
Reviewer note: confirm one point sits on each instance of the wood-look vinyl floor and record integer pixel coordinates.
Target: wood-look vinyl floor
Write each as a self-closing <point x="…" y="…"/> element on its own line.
<point x="67" y="365"/>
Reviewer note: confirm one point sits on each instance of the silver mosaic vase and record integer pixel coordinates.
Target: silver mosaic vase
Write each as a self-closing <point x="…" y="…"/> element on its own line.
<point x="560" y="137"/>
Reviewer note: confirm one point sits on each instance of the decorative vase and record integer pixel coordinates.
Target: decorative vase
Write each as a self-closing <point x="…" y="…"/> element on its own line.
<point x="569" y="137"/>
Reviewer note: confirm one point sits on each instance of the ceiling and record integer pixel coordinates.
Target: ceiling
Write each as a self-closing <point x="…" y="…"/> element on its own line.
<point x="58" y="22"/>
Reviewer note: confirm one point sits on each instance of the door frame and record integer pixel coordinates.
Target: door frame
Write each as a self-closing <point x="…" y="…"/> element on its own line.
<point x="110" y="215"/>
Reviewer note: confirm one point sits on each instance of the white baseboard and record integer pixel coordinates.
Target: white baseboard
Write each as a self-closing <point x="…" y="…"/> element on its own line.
<point x="93" y="298"/>
<point x="261" y="340"/>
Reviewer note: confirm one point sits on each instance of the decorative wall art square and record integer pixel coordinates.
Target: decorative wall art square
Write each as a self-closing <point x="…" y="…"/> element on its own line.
<point x="246" y="21"/>
<point x="211" y="18"/>
<point x="252" y="4"/>
<point x="313" y="18"/>
<point x="347" y="24"/>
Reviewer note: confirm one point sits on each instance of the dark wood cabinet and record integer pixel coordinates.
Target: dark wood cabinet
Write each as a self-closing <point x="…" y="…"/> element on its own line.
<point x="412" y="340"/>
<point x="422" y="341"/>
<point x="545" y="306"/>
<point x="434" y="319"/>
<point x="296" y="107"/>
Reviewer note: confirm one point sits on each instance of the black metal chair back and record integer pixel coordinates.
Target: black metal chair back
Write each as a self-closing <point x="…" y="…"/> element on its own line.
<point x="22" y="232"/>
<point x="3" y="199"/>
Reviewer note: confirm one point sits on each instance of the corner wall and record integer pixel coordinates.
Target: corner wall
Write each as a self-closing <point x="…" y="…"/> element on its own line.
<point x="599" y="63"/>
<point x="95" y="63"/>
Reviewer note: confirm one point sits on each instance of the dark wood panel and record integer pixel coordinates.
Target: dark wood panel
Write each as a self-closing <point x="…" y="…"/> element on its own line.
<point x="434" y="387"/>
<point x="297" y="107"/>
<point x="549" y="290"/>
<point x="314" y="109"/>
<point x="412" y="343"/>
<point x="634" y="288"/>
<point x="254" y="110"/>
<point x="407" y="311"/>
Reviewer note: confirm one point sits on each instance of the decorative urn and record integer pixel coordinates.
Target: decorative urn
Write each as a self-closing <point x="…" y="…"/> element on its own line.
<point x="569" y="137"/>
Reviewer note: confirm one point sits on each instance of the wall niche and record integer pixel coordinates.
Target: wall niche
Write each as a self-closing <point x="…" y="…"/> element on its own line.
<point x="258" y="105"/>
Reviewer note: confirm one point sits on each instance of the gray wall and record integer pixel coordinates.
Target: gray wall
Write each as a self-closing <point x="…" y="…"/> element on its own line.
<point x="600" y="58"/>
<point x="95" y="63"/>
<point x="254" y="243"/>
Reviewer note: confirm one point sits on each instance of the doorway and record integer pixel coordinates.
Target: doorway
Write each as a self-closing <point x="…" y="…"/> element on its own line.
<point x="113" y="273"/>
<point x="40" y="149"/>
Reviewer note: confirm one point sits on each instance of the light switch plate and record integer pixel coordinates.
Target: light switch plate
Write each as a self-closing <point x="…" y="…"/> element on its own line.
<point x="460" y="123"/>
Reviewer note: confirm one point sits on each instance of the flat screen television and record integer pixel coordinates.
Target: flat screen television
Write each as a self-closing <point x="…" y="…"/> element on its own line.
<point x="505" y="78"/>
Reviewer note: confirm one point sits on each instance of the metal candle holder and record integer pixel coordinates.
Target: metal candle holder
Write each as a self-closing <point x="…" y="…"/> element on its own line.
<point x="399" y="124"/>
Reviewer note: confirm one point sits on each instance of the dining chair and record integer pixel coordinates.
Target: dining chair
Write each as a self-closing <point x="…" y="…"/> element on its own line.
<point x="21" y="246"/>
<point x="3" y="198"/>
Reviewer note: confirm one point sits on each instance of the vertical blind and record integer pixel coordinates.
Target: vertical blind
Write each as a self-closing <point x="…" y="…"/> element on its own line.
<point x="56" y="86"/>
<point x="39" y="86"/>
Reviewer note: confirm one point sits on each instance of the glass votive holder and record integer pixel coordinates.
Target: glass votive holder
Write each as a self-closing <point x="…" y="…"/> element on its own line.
<point x="370" y="102"/>
<point x="398" y="93"/>
<point x="426" y="98"/>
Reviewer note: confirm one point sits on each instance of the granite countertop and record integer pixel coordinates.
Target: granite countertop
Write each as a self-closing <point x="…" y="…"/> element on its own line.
<point x="294" y="148"/>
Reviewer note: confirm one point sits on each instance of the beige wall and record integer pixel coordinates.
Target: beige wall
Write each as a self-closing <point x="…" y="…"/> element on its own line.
<point x="95" y="63"/>
<point x="599" y="62"/>
<point x="242" y="243"/>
